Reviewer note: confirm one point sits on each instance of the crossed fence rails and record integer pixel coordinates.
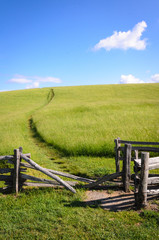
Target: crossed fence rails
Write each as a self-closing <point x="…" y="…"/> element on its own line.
<point x="15" y="176"/>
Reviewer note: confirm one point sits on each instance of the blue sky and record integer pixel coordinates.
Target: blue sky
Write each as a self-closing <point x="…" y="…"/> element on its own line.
<point x="46" y="43"/>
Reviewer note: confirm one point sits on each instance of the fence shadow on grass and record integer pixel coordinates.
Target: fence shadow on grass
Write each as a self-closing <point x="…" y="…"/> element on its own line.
<point x="116" y="203"/>
<point x="123" y="202"/>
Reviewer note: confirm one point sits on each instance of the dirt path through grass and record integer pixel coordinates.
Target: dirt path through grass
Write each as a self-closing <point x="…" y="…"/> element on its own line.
<point x="47" y="150"/>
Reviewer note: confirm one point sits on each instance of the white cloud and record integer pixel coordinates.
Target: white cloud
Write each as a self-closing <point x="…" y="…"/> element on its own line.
<point x="154" y="78"/>
<point x="47" y="79"/>
<point x="34" y="80"/>
<point x="125" y="79"/>
<point x="20" y="80"/>
<point x="33" y="85"/>
<point x="125" y="40"/>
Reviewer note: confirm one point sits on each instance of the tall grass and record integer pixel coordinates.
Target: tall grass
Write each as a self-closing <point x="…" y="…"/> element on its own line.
<point x="85" y="120"/>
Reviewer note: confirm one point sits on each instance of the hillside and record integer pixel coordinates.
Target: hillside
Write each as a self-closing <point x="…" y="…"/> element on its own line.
<point x="85" y="120"/>
<point x="77" y="121"/>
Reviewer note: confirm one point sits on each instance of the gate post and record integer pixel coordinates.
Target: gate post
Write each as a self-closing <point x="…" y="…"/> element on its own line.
<point x="142" y="194"/>
<point x="117" y="154"/>
<point x="126" y="167"/>
<point x="16" y="171"/>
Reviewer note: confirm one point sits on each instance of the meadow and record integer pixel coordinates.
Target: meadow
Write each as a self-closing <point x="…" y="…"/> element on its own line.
<point x="74" y="132"/>
<point x="85" y="120"/>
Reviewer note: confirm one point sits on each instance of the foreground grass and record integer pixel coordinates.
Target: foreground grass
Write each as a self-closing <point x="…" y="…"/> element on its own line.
<point x="85" y="120"/>
<point x="56" y="214"/>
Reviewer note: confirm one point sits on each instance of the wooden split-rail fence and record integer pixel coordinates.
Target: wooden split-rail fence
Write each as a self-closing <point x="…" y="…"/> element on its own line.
<point x="128" y="151"/>
<point x="15" y="177"/>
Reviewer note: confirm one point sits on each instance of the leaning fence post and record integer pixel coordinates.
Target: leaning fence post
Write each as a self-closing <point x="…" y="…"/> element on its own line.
<point x="16" y="171"/>
<point x="117" y="154"/>
<point x="142" y="194"/>
<point x="126" y="167"/>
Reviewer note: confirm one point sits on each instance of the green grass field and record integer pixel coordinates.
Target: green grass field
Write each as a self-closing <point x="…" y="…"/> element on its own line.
<point x="85" y="120"/>
<point x="75" y="133"/>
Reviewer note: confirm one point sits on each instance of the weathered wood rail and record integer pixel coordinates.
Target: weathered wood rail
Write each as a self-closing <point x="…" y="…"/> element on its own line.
<point x="127" y="151"/>
<point x="11" y="171"/>
<point x="15" y="178"/>
<point x="14" y="175"/>
<point x="136" y="147"/>
<point x="145" y="183"/>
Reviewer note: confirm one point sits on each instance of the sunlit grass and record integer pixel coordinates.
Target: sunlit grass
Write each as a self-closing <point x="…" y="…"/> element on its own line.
<point x="15" y="111"/>
<point x="56" y="214"/>
<point x="85" y="120"/>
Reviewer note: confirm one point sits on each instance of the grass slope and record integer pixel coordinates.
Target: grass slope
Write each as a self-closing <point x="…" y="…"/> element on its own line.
<point x="58" y="214"/>
<point x="15" y="111"/>
<point x="85" y="120"/>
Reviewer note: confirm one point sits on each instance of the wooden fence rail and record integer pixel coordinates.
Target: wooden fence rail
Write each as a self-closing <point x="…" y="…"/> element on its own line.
<point x="127" y="151"/>
<point x="45" y="171"/>
<point x="136" y="147"/>
<point x="15" y="178"/>
<point x="14" y="175"/>
<point x="9" y="157"/>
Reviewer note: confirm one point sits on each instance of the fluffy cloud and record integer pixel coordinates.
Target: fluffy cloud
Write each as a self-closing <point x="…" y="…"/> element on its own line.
<point x="48" y="79"/>
<point x="125" y="79"/>
<point x="33" y="85"/>
<point x="20" y="80"/>
<point x="154" y="78"/>
<point x="33" y="81"/>
<point x="125" y="40"/>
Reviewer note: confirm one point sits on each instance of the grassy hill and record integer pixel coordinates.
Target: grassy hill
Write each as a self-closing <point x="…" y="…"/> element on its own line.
<point x="78" y="121"/>
<point x="85" y="120"/>
<point x="15" y="110"/>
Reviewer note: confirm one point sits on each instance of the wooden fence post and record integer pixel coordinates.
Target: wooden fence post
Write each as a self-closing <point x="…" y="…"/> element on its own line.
<point x="136" y="154"/>
<point x="142" y="194"/>
<point x="126" y="167"/>
<point x="16" y="171"/>
<point x="20" y="150"/>
<point x="117" y="154"/>
<point x="20" y="179"/>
